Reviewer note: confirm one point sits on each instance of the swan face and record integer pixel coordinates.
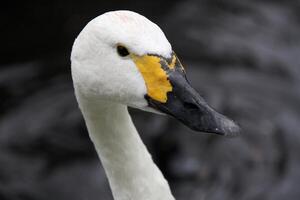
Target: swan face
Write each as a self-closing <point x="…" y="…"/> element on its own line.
<point x="123" y="57"/>
<point x="100" y="70"/>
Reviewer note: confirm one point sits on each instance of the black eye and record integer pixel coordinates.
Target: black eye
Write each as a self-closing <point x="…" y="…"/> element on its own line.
<point x="122" y="51"/>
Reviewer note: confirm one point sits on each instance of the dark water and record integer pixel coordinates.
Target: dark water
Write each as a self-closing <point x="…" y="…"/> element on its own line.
<point x="242" y="56"/>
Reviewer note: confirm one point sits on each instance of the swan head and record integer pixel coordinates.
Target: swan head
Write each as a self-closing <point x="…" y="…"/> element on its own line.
<point x="125" y="58"/>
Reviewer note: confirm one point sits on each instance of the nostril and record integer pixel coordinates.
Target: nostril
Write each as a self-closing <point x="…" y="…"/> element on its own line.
<point x="190" y="106"/>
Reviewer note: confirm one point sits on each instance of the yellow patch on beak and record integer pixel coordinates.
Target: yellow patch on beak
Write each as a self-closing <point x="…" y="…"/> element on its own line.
<point x="155" y="77"/>
<point x="172" y="64"/>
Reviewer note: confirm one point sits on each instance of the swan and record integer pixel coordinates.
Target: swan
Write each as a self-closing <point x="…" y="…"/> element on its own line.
<point x="122" y="59"/>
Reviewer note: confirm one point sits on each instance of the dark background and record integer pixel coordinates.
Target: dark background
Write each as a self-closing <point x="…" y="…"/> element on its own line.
<point x="242" y="56"/>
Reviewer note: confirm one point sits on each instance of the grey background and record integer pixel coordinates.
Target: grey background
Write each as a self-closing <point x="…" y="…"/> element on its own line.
<point x="242" y="56"/>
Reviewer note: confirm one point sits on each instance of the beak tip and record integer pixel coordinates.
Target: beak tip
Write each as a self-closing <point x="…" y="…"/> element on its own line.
<point x="230" y="128"/>
<point x="221" y="125"/>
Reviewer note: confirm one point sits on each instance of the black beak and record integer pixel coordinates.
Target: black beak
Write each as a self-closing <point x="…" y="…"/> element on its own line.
<point x="186" y="105"/>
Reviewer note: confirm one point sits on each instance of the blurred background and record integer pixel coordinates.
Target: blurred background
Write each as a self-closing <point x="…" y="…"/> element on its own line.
<point x="242" y="56"/>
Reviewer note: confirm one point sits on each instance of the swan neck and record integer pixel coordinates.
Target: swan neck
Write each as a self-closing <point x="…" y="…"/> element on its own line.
<point x="128" y="165"/>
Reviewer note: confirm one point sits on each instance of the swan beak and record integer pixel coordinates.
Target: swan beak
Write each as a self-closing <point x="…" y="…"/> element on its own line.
<point x="185" y="104"/>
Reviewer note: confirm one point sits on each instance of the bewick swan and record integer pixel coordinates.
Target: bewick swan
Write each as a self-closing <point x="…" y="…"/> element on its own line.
<point x="122" y="59"/>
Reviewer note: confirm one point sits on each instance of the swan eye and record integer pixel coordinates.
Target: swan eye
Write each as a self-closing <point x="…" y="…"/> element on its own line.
<point x="122" y="51"/>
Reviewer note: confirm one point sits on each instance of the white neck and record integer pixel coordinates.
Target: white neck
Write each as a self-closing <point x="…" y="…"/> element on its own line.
<point x="129" y="167"/>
